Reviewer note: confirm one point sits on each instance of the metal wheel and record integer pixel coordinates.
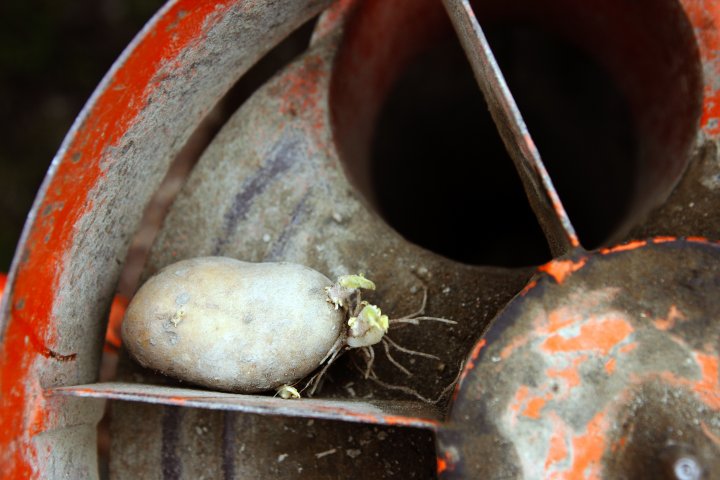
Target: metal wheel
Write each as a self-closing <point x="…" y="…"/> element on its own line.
<point x="594" y="364"/>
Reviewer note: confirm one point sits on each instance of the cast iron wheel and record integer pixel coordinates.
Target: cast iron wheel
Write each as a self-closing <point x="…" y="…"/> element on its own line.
<point x="289" y="178"/>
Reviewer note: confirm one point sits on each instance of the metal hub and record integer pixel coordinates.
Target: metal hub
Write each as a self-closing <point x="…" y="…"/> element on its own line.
<point x="605" y="366"/>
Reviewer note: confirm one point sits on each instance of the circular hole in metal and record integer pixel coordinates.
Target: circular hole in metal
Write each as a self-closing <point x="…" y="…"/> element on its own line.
<point x="439" y="172"/>
<point x="611" y="93"/>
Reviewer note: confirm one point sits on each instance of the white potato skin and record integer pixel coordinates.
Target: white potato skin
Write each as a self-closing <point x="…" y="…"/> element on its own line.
<point x="232" y="325"/>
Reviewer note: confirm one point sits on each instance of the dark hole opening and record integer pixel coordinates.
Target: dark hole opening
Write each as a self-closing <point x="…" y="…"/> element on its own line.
<point x="441" y="175"/>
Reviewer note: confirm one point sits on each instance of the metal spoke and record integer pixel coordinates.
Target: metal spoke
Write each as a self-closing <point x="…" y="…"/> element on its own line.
<point x="544" y="200"/>
<point x="382" y="412"/>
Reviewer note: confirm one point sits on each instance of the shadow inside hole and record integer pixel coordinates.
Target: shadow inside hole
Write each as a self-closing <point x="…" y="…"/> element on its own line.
<point x="441" y="175"/>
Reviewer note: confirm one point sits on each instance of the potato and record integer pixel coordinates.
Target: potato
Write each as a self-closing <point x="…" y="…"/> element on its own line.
<point x="232" y="325"/>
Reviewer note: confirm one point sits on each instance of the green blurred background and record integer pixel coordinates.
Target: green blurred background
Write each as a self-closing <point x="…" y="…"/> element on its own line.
<point x="52" y="55"/>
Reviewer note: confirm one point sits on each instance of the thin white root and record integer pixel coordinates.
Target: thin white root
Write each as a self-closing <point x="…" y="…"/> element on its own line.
<point x="370" y="358"/>
<point x="415" y="393"/>
<point x="421" y="310"/>
<point x="315" y="379"/>
<point x="351" y="338"/>
<point x="408" y="351"/>
<point x="437" y="319"/>
<point x="416" y="320"/>
<point x="417" y="316"/>
<point x="386" y="345"/>
<point x="337" y="346"/>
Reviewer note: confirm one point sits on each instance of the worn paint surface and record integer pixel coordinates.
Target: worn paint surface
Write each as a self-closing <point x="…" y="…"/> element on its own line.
<point x="289" y="200"/>
<point x="29" y="331"/>
<point x="705" y="17"/>
<point x="63" y="276"/>
<point x="394" y="413"/>
<point x="570" y="373"/>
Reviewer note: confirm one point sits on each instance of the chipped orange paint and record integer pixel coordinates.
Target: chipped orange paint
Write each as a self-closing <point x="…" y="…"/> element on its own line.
<point x="528" y="287"/>
<point x="534" y="406"/>
<point x="29" y="330"/>
<point x="441" y="465"/>
<point x="301" y="91"/>
<point x="570" y="375"/>
<point x="628" y="347"/>
<point x="511" y="347"/>
<point x="559" y="319"/>
<point x="526" y="404"/>
<point x="668" y="323"/>
<point x="624" y="247"/>
<point x="610" y="365"/>
<point x="705" y="18"/>
<point x="665" y="239"/>
<point x="408" y="421"/>
<point x="598" y="334"/>
<point x="113" y="338"/>
<point x="709" y="433"/>
<point x="520" y="396"/>
<point x="619" y="444"/>
<point x="333" y="18"/>
<point x="707" y="387"/>
<point x="469" y="365"/>
<point x="581" y="453"/>
<point x="447" y="462"/>
<point x="588" y="449"/>
<point x="561" y="269"/>
<point x="395" y="420"/>
<point x="655" y="240"/>
<point x="558" y="445"/>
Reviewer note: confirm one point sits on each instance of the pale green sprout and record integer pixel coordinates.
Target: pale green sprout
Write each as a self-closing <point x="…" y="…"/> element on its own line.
<point x="368" y="328"/>
<point x="340" y="292"/>
<point x="288" y="392"/>
<point x="353" y="282"/>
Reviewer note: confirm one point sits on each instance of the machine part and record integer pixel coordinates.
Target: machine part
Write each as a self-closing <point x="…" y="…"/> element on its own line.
<point x="293" y="167"/>
<point x="606" y="363"/>
<point x="405" y="414"/>
<point x="511" y="126"/>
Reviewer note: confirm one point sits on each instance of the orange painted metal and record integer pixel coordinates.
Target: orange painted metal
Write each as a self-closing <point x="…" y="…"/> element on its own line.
<point x="29" y="335"/>
<point x="28" y="332"/>
<point x="705" y="17"/>
<point x="558" y="376"/>
<point x="113" y="339"/>
<point x="401" y="414"/>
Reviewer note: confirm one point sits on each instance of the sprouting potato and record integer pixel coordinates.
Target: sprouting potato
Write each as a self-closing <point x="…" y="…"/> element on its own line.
<point x="251" y="327"/>
<point x="232" y="325"/>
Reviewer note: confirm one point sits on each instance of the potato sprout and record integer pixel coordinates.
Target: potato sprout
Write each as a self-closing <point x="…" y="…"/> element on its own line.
<point x="252" y="327"/>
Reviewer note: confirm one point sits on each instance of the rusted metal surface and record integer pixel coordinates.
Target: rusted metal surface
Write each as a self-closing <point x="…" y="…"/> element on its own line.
<point x="65" y="271"/>
<point x="605" y="364"/>
<point x="540" y="191"/>
<point x="382" y="412"/>
<point x="273" y="186"/>
<point x="215" y="444"/>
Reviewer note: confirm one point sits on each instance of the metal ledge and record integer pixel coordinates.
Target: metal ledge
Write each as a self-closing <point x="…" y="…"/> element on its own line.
<point x="380" y="412"/>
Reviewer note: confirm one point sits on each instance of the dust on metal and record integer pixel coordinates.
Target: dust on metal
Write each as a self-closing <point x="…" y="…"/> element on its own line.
<point x="382" y="412"/>
<point x="606" y="362"/>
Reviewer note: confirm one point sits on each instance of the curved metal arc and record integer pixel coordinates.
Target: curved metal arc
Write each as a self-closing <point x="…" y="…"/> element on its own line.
<point x="67" y="261"/>
<point x="544" y="200"/>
